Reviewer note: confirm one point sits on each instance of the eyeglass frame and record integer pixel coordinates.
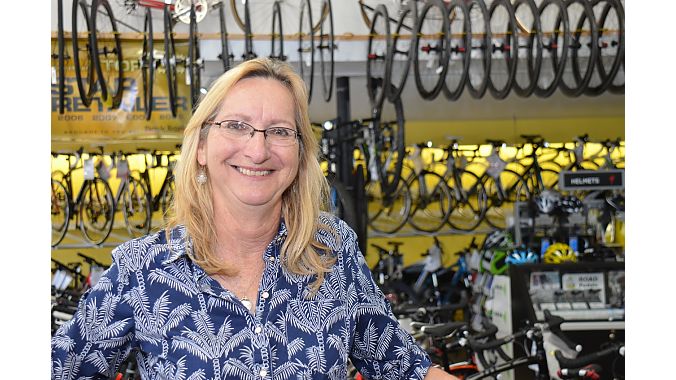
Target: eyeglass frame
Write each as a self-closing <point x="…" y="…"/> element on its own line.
<point x="254" y="130"/>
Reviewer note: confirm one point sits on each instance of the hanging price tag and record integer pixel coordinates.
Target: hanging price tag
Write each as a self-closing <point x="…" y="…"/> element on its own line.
<point x="88" y="169"/>
<point x="53" y="75"/>
<point x="122" y="169"/>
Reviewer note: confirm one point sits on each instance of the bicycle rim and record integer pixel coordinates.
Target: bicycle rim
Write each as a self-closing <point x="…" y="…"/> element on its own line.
<point x="277" y="39"/>
<point x="479" y="68"/>
<point x="470" y="207"/>
<point x="326" y="47"/>
<point x="504" y="50"/>
<point x="611" y="38"/>
<point x="97" y="211"/>
<point x="528" y="11"/>
<point x="459" y="32"/>
<point x="306" y="47"/>
<point x="501" y="198"/>
<point x="169" y="61"/>
<point x="430" y="57"/>
<point x="576" y="84"/>
<point x="400" y="57"/>
<point x="60" y="212"/>
<point x="148" y="64"/>
<point x="195" y="64"/>
<point x="388" y="212"/>
<point x="379" y="48"/>
<point x="107" y="52"/>
<point x="86" y="84"/>
<point x="555" y="53"/>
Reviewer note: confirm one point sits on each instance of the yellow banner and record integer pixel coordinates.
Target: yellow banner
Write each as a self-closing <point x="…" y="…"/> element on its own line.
<point x="98" y="124"/>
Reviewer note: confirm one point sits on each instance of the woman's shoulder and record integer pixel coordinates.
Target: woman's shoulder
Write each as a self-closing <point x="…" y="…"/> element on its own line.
<point x="335" y="233"/>
<point x="152" y="249"/>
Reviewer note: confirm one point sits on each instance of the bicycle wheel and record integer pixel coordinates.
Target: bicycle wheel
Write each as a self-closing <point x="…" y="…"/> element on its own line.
<point x="60" y="58"/>
<point x="400" y="53"/>
<point x="526" y="80"/>
<point x="167" y="198"/>
<point x="388" y="211"/>
<point x="610" y="26"/>
<point x="148" y="64"/>
<point x="481" y="45"/>
<point x="107" y="52"/>
<point x="505" y="47"/>
<point x="377" y="68"/>
<point x="96" y="210"/>
<point x="459" y="41"/>
<point x="360" y="206"/>
<point x="502" y="195"/>
<point x="306" y="47"/>
<point x="82" y="59"/>
<point x="136" y="208"/>
<point x="195" y="64"/>
<point x="277" y="38"/>
<point x="326" y="47"/>
<point x="617" y="84"/>
<point x="341" y="203"/>
<point x="432" y="202"/>
<point x="169" y="61"/>
<point x="583" y="48"/>
<point x="60" y="212"/>
<point x="226" y="56"/>
<point x="470" y="201"/>
<point x="554" y="22"/>
<point x="390" y="148"/>
<point x="430" y="56"/>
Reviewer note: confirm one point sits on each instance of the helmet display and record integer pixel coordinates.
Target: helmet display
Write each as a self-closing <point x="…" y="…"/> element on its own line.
<point x="498" y="262"/>
<point x="570" y="204"/>
<point x="547" y="201"/>
<point x="502" y="239"/>
<point x="522" y="255"/>
<point x="558" y="253"/>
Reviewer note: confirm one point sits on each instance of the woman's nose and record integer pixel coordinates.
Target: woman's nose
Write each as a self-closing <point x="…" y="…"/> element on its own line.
<point x="257" y="148"/>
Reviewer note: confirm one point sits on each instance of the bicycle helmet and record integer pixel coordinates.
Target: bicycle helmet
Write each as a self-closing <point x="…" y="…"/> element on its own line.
<point x="547" y="201"/>
<point x="570" y="204"/>
<point x="522" y="255"/>
<point x="598" y="253"/>
<point x="502" y="239"/>
<point x="558" y="253"/>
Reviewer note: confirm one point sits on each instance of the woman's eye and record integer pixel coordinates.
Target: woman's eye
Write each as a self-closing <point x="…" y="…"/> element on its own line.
<point x="235" y="125"/>
<point x="279" y="132"/>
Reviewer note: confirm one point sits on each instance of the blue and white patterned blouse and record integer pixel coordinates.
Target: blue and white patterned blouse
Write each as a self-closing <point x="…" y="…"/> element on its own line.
<point x="186" y="326"/>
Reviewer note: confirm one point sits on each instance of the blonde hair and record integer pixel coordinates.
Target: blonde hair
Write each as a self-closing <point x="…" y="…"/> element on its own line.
<point x="193" y="204"/>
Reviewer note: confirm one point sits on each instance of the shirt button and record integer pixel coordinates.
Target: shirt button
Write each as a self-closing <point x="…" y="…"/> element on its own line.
<point x="263" y="373"/>
<point x="265" y="295"/>
<point x="258" y="330"/>
<point x="205" y="288"/>
<point x="271" y="259"/>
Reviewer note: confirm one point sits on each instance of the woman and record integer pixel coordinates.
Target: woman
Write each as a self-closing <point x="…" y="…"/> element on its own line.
<point x="250" y="279"/>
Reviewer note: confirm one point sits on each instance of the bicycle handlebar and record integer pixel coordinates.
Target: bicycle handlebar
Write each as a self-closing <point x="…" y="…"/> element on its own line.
<point x="591" y="371"/>
<point x="564" y="362"/>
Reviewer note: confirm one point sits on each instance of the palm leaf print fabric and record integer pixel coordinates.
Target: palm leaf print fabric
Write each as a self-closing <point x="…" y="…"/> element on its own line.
<point x="154" y="300"/>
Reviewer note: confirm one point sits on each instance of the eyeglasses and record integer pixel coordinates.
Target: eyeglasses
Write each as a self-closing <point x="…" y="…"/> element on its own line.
<point x="278" y="136"/>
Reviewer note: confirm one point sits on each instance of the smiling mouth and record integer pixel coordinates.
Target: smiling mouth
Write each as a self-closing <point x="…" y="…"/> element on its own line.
<point x="253" y="173"/>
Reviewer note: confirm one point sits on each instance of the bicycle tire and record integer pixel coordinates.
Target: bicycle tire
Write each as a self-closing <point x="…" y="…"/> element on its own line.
<point x="306" y="51"/>
<point x="170" y="61"/>
<point x="326" y="48"/>
<point x="91" y="211"/>
<point x="148" y="64"/>
<point x="136" y="208"/>
<point x="581" y="81"/>
<point x="470" y="205"/>
<point x="607" y="76"/>
<point x="60" y="211"/>
<point x="341" y="203"/>
<point x="277" y="36"/>
<point x="360" y="204"/>
<point x="87" y="90"/>
<point x="60" y="41"/>
<point x="561" y="27"/>
<point x="437" y="66"/>
<point x="226" y="56"/>
<point x="479" y="90"/>
<point x="497" y="208"/>
<point x="452" y="91"/>
<point x="108" y="84"/>
<point x="167" y="197"/>
<point x="387" y="212"/>
<point x="398" y="75"/>
<point x="390" y="146"/>
<point x="533" y="63"/>
<point x="509" y="48"/>
<point x="194" y="66"/>
<point x="377" y="75"/>
<point x="431" y="211"/>
<point x="619" y="88"/>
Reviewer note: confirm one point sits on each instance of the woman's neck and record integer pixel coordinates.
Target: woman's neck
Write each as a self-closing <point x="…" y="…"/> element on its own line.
<point x="245" y="235"/>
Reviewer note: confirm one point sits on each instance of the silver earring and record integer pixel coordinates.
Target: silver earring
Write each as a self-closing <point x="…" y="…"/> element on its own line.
<point x="201" y="176"/>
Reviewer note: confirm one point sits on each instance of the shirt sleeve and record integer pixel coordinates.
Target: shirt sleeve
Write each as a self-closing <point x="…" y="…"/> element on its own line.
<point x="381" y="348"/>
<point x="98" y="339"/>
